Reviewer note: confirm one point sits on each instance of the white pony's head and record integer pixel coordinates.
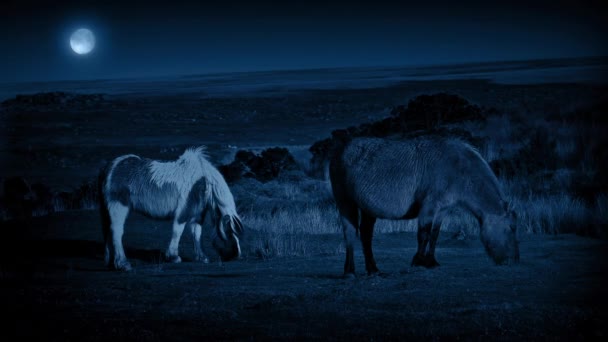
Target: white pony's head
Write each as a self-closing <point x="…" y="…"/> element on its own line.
<point x="226" y="243"/>
<point x="221" y="203"/>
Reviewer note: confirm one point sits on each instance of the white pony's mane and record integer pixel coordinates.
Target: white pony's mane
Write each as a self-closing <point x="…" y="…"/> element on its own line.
<point x="188" y="169"/>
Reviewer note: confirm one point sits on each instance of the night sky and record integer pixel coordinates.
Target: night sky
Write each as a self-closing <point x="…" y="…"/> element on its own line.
<point x="136" y="39"/>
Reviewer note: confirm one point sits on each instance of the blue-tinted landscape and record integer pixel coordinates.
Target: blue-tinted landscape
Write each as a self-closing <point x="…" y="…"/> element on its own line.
<point x="539" y="124"/>
<point x="256" y="170"/>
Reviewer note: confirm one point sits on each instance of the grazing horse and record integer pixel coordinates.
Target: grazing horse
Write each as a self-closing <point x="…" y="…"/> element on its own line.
<point x="184" y="190"/>
<point x="420" y="178"/>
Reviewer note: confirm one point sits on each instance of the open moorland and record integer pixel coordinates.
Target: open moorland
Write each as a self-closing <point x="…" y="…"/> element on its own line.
<point x="543" y="137"/>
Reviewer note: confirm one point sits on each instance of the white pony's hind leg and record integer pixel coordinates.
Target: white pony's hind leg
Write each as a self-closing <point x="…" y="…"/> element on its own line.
<point x="118" y="216"/>
<point x="172" y="254"/>
<point x="199" y="255"/>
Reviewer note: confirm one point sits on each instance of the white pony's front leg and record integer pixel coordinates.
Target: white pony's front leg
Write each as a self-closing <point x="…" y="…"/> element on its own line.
<point x="118" y="215"/>
<point x="172" y="254"/>
<point x="199" y="255"/>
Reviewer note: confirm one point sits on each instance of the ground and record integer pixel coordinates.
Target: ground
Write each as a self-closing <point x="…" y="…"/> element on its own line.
<point x="54" y="285"/>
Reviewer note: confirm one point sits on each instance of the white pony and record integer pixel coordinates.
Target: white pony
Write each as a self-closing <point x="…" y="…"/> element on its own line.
<point x="184" y="190"/>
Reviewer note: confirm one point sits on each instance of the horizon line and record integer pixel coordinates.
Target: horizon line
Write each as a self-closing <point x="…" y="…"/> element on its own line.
<point x="254" y="71"/>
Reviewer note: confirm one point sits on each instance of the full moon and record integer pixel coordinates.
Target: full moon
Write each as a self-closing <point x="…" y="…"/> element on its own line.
<point x="82" y="41"/>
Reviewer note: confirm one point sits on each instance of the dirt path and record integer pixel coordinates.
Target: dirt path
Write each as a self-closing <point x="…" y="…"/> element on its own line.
<point x="63" y="292"/>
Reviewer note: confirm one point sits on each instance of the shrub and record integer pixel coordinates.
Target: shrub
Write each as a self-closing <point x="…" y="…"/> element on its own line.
<point x="264" y="167"/>
<point x="425" y="114"/>
<point x="431" y="111"/>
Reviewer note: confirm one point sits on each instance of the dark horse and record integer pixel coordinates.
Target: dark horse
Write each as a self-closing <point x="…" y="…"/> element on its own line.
<point x="421" y="178"/>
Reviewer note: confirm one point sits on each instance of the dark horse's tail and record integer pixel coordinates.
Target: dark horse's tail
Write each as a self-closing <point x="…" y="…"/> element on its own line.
<point x="104" y="214"/>
<point x="334" y="172"/>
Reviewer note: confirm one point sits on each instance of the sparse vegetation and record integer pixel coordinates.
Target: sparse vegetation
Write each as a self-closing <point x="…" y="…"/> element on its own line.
<point x="282" y="212"/>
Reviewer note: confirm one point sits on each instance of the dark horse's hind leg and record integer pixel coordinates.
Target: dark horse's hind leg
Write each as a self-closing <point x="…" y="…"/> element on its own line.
<point x="430" y="256"/>
<point x="367" y="233"/>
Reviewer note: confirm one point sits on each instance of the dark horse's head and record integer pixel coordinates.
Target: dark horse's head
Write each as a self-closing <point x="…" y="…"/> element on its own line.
<point x="226" y="243"/>
<point x="499" y="236"/>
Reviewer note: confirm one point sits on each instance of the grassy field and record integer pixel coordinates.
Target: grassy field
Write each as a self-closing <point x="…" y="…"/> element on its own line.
<point x="58" y="287"/>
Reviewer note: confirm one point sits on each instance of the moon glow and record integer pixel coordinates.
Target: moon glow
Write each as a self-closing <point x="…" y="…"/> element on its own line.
<point x="82" y="41"/>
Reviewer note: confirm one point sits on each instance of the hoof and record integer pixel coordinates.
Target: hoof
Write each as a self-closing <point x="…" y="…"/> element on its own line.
<point x="418" y="260"/>
<point x="373" y="272"/>
<point x="378" y="274"/>
<point x="203" y="260"/>
<point x="175" y="259"/>
<point x="431" y="262"/>
<point x="349" y="275"/>
<point x="123" y="266"/>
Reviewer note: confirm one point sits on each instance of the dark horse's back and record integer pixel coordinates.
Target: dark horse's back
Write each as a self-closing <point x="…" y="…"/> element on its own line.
<point x="394" y="178"/>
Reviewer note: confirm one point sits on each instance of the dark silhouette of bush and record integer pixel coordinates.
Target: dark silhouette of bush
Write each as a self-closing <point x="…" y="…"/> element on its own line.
<point x="232" y="172"/>
<point x="264" y="167"/>
<point x="431" y="111"/>
<point x="424" y="114"/>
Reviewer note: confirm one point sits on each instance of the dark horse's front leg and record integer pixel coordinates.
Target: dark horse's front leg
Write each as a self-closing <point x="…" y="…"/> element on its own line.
<point x="423" y="235"/>
<point x="367" y="234"/>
